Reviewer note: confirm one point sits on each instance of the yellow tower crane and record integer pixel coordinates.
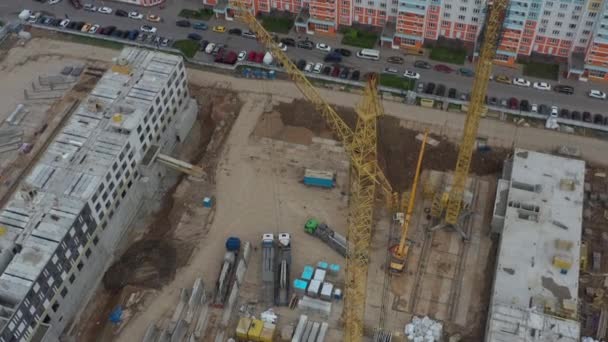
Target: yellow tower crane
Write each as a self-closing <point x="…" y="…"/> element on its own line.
<point x="399" y="253"/>
<point x="480" y="86"/>
<point x="361" y="144"/>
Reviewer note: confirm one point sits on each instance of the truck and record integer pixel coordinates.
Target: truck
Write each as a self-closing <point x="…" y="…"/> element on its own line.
<point x="332" y="238"/>
<point x="284" y="265"/>
<point x="319" y="178"/>
<point x="268" y="268"/>
<point x="267" y="58"/>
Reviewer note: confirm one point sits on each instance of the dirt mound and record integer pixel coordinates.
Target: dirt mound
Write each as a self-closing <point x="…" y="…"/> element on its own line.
<point x="397" y="147"/>
<point x="147" y="263"/>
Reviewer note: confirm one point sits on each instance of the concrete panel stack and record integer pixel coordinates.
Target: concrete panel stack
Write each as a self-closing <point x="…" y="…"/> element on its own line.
<point x="300" y="327"/>
<point x="322" y="332"/>
<point x="230" y="304"/>
<point x="315" y="305"/>
<point x="314" y="332"/>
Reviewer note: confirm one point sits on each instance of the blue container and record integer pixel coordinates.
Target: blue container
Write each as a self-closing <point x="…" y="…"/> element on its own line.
<point x="300" y="285"/>
<point x="333" y="268"/>
<point x="322" y="265"/>
<point x="233" y="244"/>
<point x="308" y="272"/>
<point x="207" y="202"/>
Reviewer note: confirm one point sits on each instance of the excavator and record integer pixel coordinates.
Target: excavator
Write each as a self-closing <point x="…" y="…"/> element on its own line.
<point x="399" y="252"/>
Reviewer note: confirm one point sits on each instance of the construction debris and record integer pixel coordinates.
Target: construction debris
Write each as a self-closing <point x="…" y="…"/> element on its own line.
<point x="423" y="329"/>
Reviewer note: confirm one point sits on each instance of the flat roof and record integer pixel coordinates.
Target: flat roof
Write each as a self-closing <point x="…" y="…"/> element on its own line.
<point x="536" y="284"/>
<point x="67" y="174"/>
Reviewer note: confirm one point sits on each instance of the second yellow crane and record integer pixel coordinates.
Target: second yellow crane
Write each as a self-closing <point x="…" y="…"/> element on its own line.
<point x="399" y="252"/>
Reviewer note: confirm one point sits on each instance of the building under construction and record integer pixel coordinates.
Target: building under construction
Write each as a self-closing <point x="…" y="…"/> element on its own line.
<point x="538" y="214"/>
<point x="60" y="229"/>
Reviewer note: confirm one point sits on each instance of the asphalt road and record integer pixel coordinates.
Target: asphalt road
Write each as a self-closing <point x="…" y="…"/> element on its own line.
<point x="578" y="101"/>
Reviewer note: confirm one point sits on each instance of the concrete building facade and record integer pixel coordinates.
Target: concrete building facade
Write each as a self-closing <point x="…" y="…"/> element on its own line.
<point x="62" y="226"/>
<point x="145" y="3"/>
<point x="538" y="213"/>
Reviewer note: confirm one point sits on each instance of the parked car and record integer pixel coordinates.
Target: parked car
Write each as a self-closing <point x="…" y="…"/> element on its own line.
<point x="121" y="13"/>
<point x="343" y="52"/>
<point x="326" y="70"/>
<point x="134" y="15"/>
<point x="430" y="88"/>
<point x="183" y="23"/>
<point x="90" y="8"/>
<point x="335" y="71"/>
<point x="309" y="67"/>
<point x="317" y="69"/>
<point x="288" y="41"/>
<point x="492" y="101"/>
<point x="153" y="18"/>
<point x="94" y="29"/>
<point x="524" y="106"/>
<point x="248" y="34"/>
<point x="440" y="91"/>
<point x="219" y="55"/>
<point x="420" y="87"/>
<point x="466" y="72"/>
<point x="564" y="113"/>
<point x="576" y="115"/>
<point x="544" y="109"/>
<point x="598" y="119"/>
<point x="534" y="108"/>
<point x="443" y="68"/>
<point x="564" y="89"/>
<point x="390" y="71"/>
<point x="504" y="103"/>
<point x="323" y="47"/>
<point x="513" y="103"/>
<point x="195" y="36"/>
<point x="282" y="47"/>
<point x="211" y="46"/>
<point x="554" y="111"/>
<point x="105" y="10"/>
<point x="586" y="117"/>
<point x="422" y="64"/>
<point x="395" y="60"/>
<point x="235" y="31"/>
<point x="518" y="81"/>
<point x="64" y="23"/>
<point x="411" y="75"/>
<point x="502" y="79"/>
<point x="306" y="44"/>
<point x="85" y="28"/>
<point x="148" y="29"/>
<point x="344" y="73"/>
<point x="117" y="33"/>
<point x="301" y="64"/>
<point x="465" y="97"/>
<point x="200" y="26"/>
<point x="606" y="121"/>
<point x="596" y="94"/>
<point x="541" y="86"/>
<point x="230" y="58"/>
<point x="355" y="75"/>
<point x="452" y="93"/>
<point x="219" y="29"/>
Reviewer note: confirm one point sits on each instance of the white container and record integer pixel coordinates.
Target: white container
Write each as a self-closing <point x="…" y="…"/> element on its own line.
<point x="326" y="291"/>
<point x="320" y="274"/>
<point x="313" y="288"/>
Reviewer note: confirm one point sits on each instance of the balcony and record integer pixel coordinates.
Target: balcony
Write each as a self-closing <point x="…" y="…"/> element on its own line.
<point x="412" y="8"/>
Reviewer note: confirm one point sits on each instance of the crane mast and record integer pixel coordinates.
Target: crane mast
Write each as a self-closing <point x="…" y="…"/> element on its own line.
<point x="480" y="87"/>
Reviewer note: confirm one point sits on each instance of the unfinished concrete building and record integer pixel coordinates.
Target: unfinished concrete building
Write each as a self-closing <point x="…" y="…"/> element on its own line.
<point x="59" y="231"/>
<point x="538" y="214"/>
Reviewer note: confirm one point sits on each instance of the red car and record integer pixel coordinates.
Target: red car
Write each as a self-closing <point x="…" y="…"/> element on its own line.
<point x="219" y="56"/>
<point x="443" y="68"/>
<point x="230" y="58"/>
<point x="251" y="56"/>
<point x="335" y="72"/>
<point x="513" y="103"/>
<point x="259" y="57"/>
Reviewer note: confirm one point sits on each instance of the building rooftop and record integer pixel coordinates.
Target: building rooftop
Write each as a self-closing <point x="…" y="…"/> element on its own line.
<point x="536" y="285"/>
<point x="39" y="215"/>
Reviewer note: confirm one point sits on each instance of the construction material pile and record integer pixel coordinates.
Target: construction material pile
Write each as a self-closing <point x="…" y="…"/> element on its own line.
<point x="423" y="330"/>
<point x="589" y="339"/>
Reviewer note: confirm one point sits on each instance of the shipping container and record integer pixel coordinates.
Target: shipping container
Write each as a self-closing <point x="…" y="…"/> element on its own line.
<point x="322" y="265"/>
<point x="308" y="272"/>
<point x="243" y="327"/>
<point x="300" y="286"/>
<point x="323" y="179"/>
<point x="255" y="330"/>
<point x="334" y="269"/>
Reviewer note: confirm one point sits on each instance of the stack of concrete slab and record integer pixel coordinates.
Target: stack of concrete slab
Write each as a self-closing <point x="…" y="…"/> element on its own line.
<point x="309" y="331"/>
<point x="10" y="139"/>
<point x="314" y="305"/>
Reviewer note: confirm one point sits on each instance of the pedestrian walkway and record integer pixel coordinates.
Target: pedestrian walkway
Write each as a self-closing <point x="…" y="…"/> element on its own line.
<point x="447" y="124"/>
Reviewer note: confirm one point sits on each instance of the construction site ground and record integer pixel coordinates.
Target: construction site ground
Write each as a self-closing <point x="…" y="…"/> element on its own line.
<point x="254" y="176"/>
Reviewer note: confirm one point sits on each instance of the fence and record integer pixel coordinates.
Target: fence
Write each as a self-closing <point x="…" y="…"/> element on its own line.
<point x="352" y="83"/>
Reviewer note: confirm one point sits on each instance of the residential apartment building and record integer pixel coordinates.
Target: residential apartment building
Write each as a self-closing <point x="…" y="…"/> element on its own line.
<point x="572" y="30"/>
<point x="59" y="230"/>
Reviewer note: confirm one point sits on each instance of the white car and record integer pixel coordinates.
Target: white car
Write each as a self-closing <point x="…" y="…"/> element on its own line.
<point x="147" y="29"/>
<point x="283" y="47"/>
<point x="52" y="2"/>
<point x="64" y="23"/>
<point x="534" y="108"/>
<point x="209" y="48"/>
<point x="94" y="29"/>
<point x="596" y="94"/>
<point x="309" y="67"/>
<point x="411" y="75"/>
<point x="242" y="55"/>
<point x="317" y="68"/>
<point x="518" y="81"/>
<point x="553" y="111"/>
<point x="323" y="47"/>
<point x="105" y="10"/>
<point x="541" y="86"/>
<point x="136" y="15"/>
<point x="90" y="8"/>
